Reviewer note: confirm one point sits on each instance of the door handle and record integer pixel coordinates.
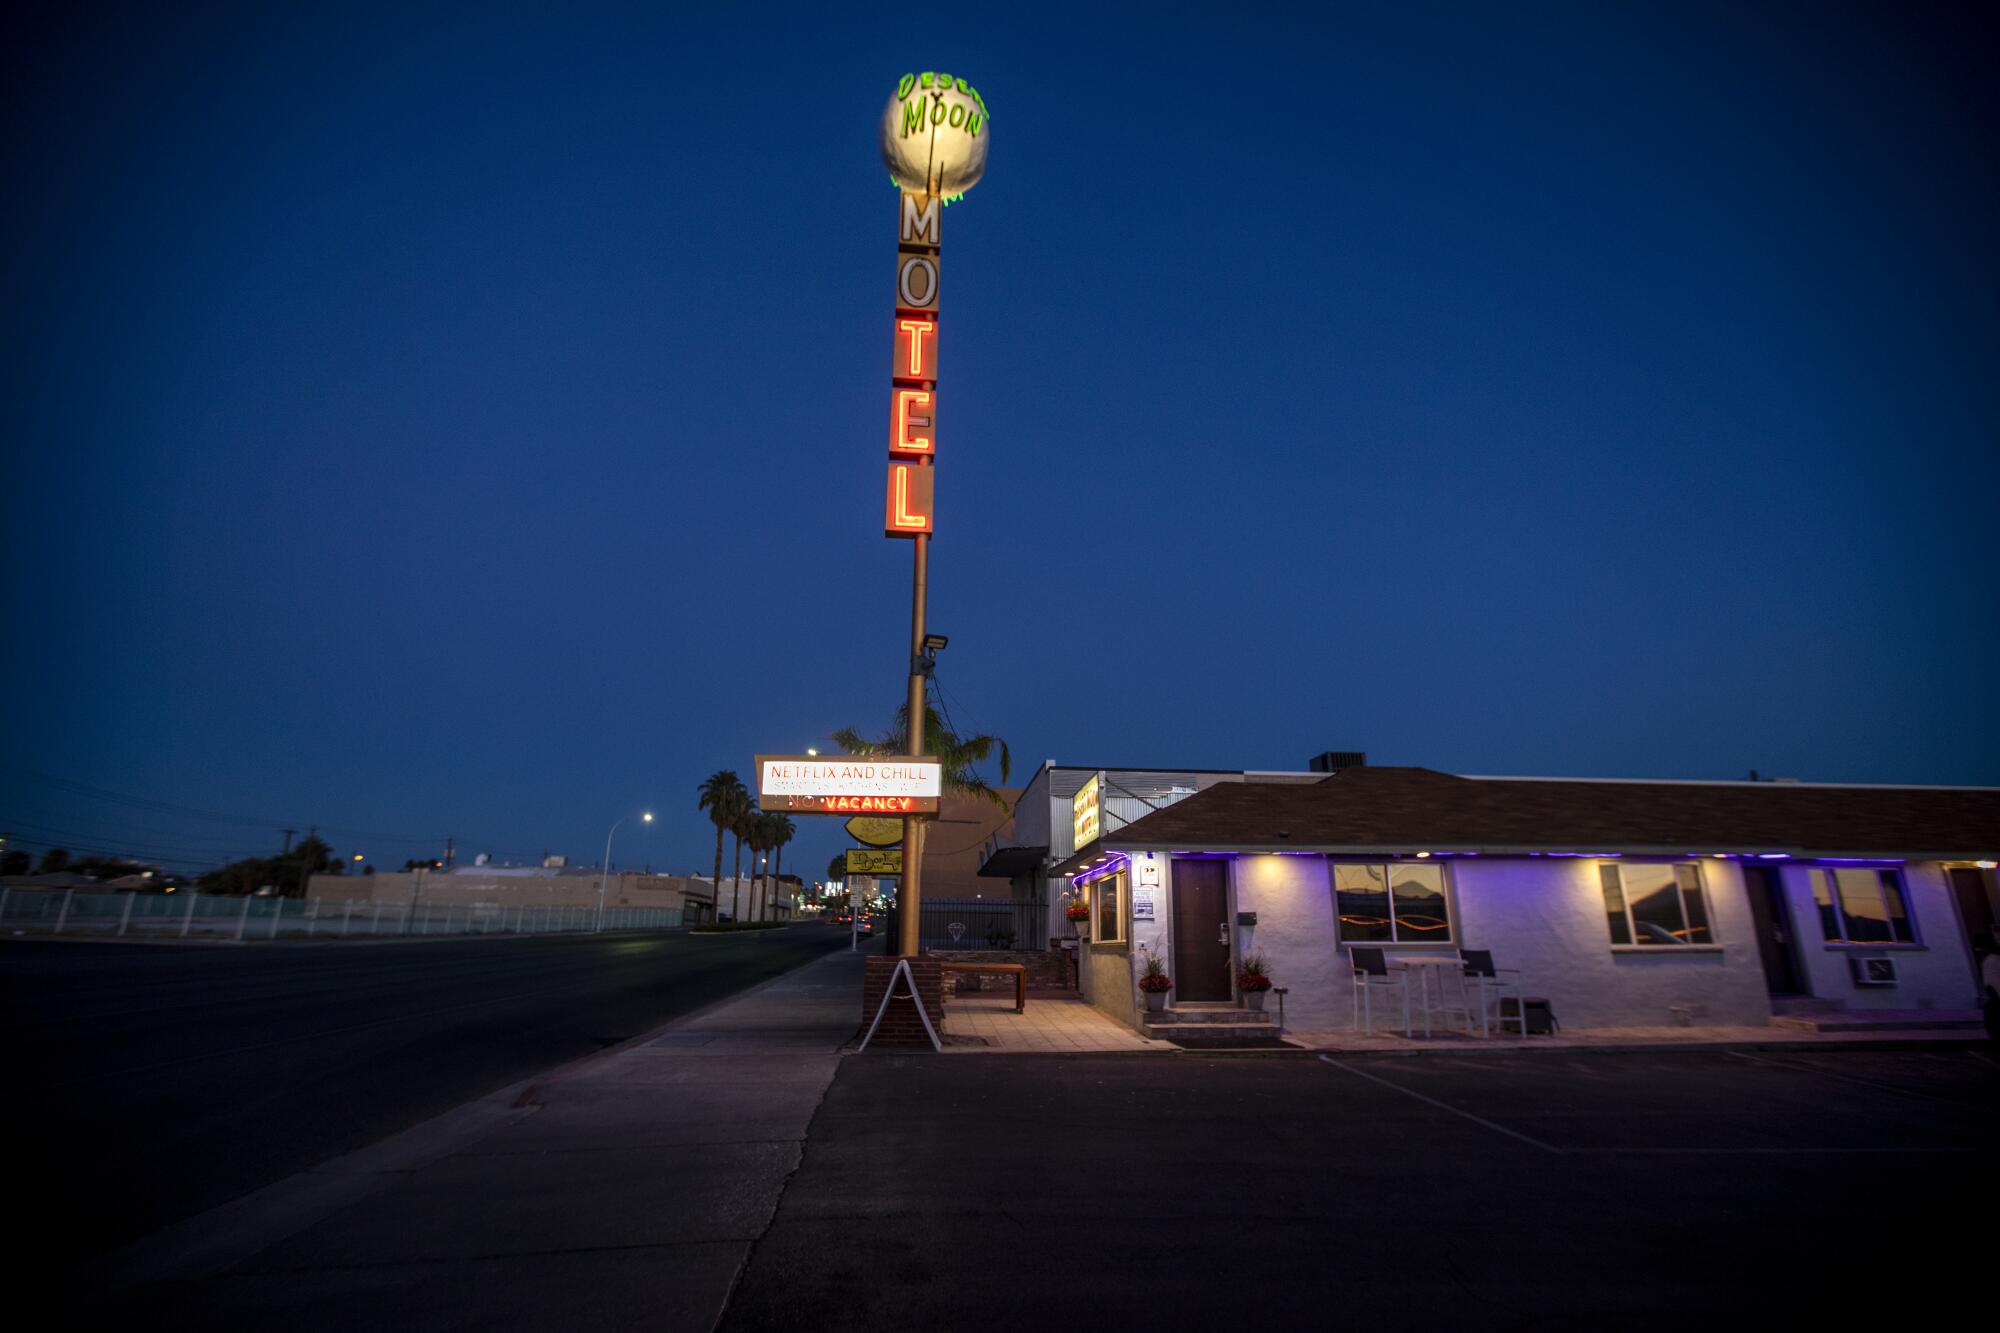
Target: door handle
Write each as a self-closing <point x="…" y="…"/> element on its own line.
<point x="1222" y="932"/>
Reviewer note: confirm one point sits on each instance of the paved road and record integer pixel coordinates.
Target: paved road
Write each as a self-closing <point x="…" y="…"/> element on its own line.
<point x="1528" y="1191"/>
<point x="147" y="1083"/>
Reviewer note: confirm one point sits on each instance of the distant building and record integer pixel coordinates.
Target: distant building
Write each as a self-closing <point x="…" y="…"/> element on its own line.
<point x="526" y="886"/>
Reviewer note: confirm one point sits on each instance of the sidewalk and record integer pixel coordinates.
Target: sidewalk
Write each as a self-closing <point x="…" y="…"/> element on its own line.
<point x="623" y="1191"/>
<point x="1857" y="1035"/>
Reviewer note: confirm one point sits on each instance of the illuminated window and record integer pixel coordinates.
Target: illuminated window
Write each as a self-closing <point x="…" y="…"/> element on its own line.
<point x="1654" y="903"/>
<point x="1106" y="910"/>
<point x="1395" y="903"/>
<point x="1861" y="906"/>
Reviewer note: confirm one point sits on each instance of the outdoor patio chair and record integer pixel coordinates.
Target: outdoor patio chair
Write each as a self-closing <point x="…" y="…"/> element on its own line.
<point x="1371" y="973"/>
<point x="1482" y="983"/>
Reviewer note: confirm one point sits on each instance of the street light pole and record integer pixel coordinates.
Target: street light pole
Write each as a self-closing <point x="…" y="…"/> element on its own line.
<point x="604" y="873"/>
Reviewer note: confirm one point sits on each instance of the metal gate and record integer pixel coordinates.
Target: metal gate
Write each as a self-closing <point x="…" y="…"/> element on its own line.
<point x="981" y="923"/>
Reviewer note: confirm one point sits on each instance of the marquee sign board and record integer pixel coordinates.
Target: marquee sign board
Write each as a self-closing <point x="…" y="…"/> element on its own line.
<point x="875" y="861"/>
<point x="1086" y="811"/>
<point x="849" y="785"/>
<point x="875" y="830"/>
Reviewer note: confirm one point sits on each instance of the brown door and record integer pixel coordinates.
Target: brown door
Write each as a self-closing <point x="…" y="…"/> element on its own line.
<point x="1774" y="928"/>
<point x="1201" y="931"/>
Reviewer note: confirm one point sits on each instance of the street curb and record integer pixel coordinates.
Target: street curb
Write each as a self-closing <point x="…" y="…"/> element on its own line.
<point x="1969" y="1041"/>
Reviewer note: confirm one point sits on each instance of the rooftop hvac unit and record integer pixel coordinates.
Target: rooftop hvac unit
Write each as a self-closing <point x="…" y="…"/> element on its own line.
<point x="1872" y="971"/>
<point x="1335" y="760"/>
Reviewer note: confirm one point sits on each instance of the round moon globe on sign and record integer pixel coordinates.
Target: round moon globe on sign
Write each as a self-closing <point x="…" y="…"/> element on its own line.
<point x="935" y="134"/>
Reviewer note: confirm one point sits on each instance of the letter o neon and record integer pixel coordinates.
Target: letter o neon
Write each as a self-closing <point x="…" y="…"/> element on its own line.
<point x="917" y="284"/>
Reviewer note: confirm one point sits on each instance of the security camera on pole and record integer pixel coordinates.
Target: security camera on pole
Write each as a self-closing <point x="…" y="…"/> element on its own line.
<point x="934" y="138"/>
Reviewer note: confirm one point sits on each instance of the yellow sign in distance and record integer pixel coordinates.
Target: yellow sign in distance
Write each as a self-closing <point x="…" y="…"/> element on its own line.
<point x="875" y="860"/>
<point x="875" y="830"/>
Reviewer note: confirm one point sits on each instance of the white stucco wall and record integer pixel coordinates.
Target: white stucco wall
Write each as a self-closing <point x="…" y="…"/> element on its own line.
<point x="1293" y="900"/>
<point x="1545" y="916"/>
<point x="1937" y="974"/>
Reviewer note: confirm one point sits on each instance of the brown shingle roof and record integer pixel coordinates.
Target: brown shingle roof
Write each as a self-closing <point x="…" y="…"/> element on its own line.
<point x="1416" y="809"/>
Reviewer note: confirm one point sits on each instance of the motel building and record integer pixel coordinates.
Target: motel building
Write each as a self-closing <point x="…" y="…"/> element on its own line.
<point x="1620" y="904"/>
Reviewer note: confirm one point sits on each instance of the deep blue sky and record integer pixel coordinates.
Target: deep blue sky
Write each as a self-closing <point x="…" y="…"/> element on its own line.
<point x="471" y="420"/>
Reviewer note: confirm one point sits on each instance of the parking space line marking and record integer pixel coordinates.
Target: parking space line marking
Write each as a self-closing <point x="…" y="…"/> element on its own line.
<point x="1445" y="1106"/>
<point x="1844" y="1078"/>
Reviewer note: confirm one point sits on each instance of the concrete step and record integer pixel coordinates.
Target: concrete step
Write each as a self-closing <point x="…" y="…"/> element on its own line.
<point x="1884" y="1020"/>
<point x="1237" y="1017"/>
<point x="1215" y="1034"/>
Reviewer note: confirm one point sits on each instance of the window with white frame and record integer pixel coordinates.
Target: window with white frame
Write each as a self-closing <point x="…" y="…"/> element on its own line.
<point x="1396" y="903"/>
<point x="1861" y="905"/>
<point x="1107" y="920"/>
<point x="1655" y="903"/>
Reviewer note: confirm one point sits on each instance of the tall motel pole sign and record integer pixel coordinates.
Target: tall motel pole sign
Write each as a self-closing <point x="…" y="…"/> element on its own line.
<point x="934" y="136"/>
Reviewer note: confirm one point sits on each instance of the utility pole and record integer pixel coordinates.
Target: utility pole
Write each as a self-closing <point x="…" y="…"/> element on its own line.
<point x="287" y="849"/>
<point x="447" y="849"/>
<point x="312" y="834"/>
<point x="909" y="894"/>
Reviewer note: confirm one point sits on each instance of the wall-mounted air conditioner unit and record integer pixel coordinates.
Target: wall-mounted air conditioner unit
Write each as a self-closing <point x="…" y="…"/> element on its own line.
<point x="1872" y="971"/>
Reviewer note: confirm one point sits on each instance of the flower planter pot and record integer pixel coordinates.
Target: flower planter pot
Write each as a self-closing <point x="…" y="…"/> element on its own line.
<point x="1156" y="1001"/>
<point x="1254" y="1000"/>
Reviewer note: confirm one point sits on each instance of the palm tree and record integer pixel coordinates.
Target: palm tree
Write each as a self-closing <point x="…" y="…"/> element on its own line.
<point x="762" y="837"/>
<point x="957" y="754"/>
<point x="744" y="828"/>
<point x="723" y="795"/>
<point x="782" y="832"/>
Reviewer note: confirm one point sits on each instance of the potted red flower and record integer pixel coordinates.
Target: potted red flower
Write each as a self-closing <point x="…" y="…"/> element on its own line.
<point x="1155" y="984"/>
<point x="1253" y="981"/>
<point x="1078" y="913"/>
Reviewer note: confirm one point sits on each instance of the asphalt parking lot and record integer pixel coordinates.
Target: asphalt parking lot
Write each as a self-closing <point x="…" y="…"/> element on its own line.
<point x="1516" y="1191"/>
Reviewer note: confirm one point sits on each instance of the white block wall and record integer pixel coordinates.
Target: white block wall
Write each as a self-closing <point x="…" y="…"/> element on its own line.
<point x="1935" y="975"/>
<point x="1545" y="916"/>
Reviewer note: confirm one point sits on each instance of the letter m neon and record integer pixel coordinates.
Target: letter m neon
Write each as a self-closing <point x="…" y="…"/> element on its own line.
<point x="915" y="112"/>
<point x="920" y="220"/>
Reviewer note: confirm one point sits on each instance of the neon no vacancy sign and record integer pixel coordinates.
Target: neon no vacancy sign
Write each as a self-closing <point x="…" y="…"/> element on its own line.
<point x="815" y="785"/>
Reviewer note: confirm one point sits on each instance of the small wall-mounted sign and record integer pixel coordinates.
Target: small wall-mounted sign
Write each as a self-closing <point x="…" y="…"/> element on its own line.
<point x="874" y="861"/>
<point x="1142" y="903"/>
<point x="1246" y="918"/>
<point x="1084" y="808"/>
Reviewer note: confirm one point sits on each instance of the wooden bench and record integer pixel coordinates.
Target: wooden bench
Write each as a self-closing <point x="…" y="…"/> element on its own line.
<point x="1019" y="971"/>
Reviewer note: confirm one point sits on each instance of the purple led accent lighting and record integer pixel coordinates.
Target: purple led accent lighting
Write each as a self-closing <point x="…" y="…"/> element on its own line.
<point x="1774" y="856"/>
<point x="1861" y="860"/>
<point x="1119" y="861"/>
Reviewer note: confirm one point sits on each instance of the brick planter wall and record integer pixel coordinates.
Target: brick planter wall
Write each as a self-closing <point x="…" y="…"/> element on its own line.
<point x="901" y="1026"/>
